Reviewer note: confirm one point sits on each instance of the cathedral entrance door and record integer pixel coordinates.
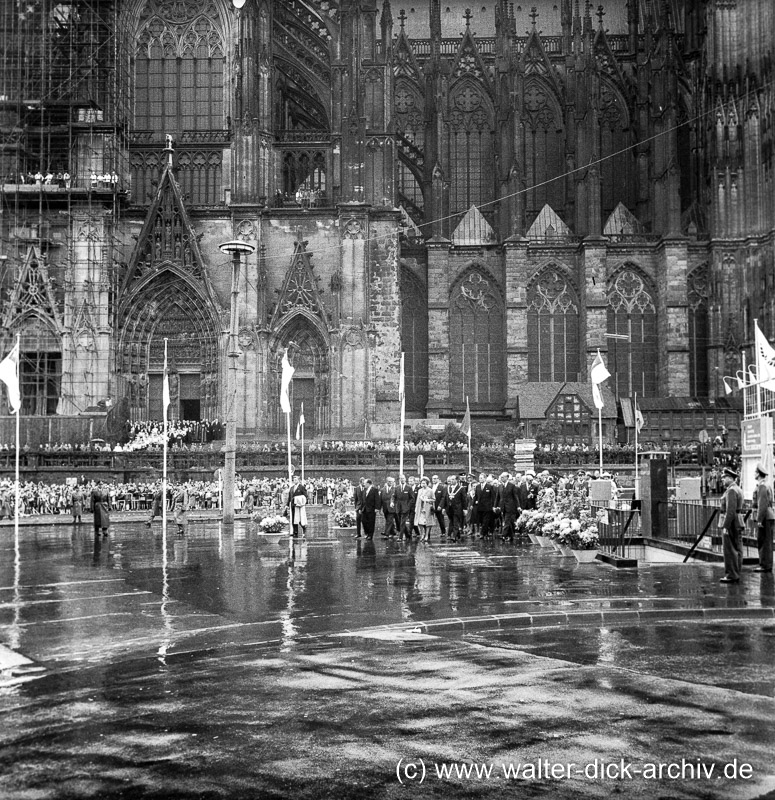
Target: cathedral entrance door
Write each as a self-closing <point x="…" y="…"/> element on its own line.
<point x="155" y="391"/>
<point x="190" y="396"/>
<point x="303" y="391"/>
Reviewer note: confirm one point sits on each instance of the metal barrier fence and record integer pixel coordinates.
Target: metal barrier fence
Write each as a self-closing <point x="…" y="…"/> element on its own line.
<point x="697" y="523"/>
<point x="621" y="524"/>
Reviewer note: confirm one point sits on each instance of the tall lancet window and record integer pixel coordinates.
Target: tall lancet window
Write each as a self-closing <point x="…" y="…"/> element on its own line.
<point x="698" y="293"/>
<point x="632" y="361"/>
<point x="476" y="336"/>
<point x="552" y="329"/>
<point x="617" y="167"/>
<point x="178" y="70"/>
<point x="543" y="153"/>
<point x="470" y="151"/>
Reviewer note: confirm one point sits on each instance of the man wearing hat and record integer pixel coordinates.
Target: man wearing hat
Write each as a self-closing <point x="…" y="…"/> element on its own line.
<point x="765" y="519"/>
<point x="731" y="520"/>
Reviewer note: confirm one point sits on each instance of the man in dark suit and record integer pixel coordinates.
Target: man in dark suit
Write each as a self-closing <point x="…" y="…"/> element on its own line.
<point x="455" y="507"/>
<point x="520" y="481"/>
<point x="404" y="508"/>
<point x="439" y="503"/>
<point x="387" y="501"/>
<point x="486" y="503"/>
<point x="509" y="505"/>
<point x="358" y="503"/>
<point x="371" y="503"/>
<point x="478" y="490"/>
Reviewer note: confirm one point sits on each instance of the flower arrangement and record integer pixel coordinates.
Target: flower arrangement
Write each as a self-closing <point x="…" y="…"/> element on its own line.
<point x="273" y="523"/>
<point x="586" y="537"/>
<point x="564" y="516"/>
<point x="345" y="519"/>
<point x="552" y="528"/>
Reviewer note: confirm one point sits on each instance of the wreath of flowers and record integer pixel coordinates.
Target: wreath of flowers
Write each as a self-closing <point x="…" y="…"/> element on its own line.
<point x="345" y="519"/>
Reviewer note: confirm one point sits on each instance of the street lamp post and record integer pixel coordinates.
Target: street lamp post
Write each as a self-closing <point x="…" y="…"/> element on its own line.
<point x="235" y="248"/>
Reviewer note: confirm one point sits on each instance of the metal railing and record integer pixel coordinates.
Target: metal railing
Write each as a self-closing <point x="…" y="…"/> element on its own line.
<point x="211" y="459"/>
<point x="620" y="526"/>
<point x="696" y="524"/>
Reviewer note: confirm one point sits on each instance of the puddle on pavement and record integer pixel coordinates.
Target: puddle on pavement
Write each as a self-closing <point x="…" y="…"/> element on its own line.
<point x="331" y="583"/>
<point x="734" y="655"/>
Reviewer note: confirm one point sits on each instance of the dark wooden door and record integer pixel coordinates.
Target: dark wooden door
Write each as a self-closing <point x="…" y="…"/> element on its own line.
<point x="303" y="391"/>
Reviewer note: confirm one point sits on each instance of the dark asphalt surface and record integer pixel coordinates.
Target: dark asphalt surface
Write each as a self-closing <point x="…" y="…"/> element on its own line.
<point x="217" y="666"/>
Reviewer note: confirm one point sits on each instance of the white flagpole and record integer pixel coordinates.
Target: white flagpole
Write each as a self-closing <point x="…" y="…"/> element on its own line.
<point x="17" y="495"/>
<point x="636" y="446"/>
<point x="469" y="443"/>
<point x="757" y="362"/>
<point x="302" y="445"/>
<point x="165" y="413"/>
<point x="403" y="412"/>
<point x="600" y="434"/>
<point x="288" y="425"/>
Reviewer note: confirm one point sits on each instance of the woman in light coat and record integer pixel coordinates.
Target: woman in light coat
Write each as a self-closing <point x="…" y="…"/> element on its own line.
<point x="424" y="516"/>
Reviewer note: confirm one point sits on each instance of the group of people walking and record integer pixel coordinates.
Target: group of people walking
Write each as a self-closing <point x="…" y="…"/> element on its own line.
<point x="415" y="507"/>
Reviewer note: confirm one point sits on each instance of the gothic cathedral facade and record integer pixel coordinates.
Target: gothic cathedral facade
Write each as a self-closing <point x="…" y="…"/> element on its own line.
<point x="497" y="192"/>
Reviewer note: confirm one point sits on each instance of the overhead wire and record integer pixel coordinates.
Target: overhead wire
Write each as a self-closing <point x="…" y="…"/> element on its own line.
<point x="594" y="162"/>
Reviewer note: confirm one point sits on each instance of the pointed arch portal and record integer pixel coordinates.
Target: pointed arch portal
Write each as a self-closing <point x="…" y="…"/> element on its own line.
<point x="169" y="306"/>
<point x="309" y="356"/>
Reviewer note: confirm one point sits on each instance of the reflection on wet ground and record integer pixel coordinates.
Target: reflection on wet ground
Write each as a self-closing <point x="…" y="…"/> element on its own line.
<point x="233" y="587"/>
<point x="735" y="655"/>
<point x="214" y="665"/>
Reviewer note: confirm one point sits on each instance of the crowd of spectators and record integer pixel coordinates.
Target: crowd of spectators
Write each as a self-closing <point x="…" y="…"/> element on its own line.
<point x="181" y="432"/>
<point x="207" y="436"/>
<point x="63" y="179"/>
<point x="38" y="498"/>
<point x="571" y="455"/>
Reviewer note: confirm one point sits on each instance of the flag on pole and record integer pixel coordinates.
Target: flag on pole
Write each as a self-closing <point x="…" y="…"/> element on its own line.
<point x="639" y="421"/>
<point x="300" y="422"/>
<point x="765" y="359"/>
<point x="598" y="373"/>
<point x="165" y="392"/>
<point x="287" y="377"/>
<point x="9" y="375"/>
<point x="465" y="425"/>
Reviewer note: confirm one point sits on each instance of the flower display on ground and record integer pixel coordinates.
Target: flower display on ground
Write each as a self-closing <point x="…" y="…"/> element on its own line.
<point x="345" y="519"/>
<point x="564" y="516"/>
<point x="274" y="523"/>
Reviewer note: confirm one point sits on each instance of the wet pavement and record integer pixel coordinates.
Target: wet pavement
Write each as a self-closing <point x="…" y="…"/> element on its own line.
<point x="216" y="665"/>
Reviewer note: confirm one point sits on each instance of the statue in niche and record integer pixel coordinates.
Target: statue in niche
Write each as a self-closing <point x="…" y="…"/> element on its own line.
<point x="174" y="390"/>
<point x="142" y="390"/>
<point x="131" y="383"/>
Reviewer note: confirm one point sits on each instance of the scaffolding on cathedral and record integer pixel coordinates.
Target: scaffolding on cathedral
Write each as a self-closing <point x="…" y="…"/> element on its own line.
<point x="63" y="179"/>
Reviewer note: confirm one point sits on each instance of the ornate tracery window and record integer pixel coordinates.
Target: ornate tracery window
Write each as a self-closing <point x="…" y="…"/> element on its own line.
<point x="617" y="182"/>
<point x="470" y="150"/>
<point x="179" y="69"/>
<point x="552" y="329"/>
<point x="632" y="313"/>
<point x="544" y="149"/>
<point x="477" y="369"/>
<point x="698" y="293"/>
